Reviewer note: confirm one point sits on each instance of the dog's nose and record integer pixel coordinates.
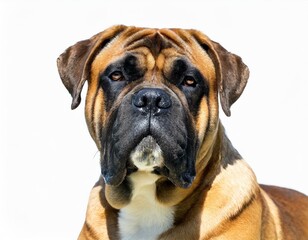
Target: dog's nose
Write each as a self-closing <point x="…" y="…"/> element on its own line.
<point x="151" y="100"/>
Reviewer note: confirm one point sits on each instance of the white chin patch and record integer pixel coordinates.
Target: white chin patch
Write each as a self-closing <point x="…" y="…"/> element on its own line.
<point x="147" y="154"/>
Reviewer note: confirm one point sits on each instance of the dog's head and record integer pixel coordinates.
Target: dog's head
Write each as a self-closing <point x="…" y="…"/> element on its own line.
<point x="152" y="98"/>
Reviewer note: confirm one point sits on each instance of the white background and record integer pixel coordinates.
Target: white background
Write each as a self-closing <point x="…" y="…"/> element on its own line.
<point x="48" y="160"/>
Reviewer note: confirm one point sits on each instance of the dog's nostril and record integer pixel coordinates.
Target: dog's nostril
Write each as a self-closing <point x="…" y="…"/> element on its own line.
<point x="151" y="99"/>
<point x="163" y="103"/>
<point x="140" y="101"/>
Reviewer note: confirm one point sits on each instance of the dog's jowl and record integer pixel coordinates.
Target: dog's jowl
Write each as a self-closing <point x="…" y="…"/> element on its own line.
<point x="168" y="170"/>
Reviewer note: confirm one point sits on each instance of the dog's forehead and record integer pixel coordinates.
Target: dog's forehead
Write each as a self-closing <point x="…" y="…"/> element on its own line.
<point x="150" y="46"/>
<point x="156" y="40"/>
<point x="155" y="48"/>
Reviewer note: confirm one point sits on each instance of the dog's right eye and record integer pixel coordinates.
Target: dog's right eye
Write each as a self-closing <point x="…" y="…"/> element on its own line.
<point x="116" y="76"/>
<point x="189" y="82"/>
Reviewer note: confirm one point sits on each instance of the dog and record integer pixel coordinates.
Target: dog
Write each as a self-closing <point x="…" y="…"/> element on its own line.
<point x="168" y="170"/>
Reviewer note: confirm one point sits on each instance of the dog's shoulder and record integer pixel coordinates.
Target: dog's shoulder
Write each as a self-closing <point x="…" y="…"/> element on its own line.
<point x="292" y="209"/>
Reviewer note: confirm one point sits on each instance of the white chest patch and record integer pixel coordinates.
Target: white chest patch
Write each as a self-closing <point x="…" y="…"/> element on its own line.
<point x="144" y="218"/>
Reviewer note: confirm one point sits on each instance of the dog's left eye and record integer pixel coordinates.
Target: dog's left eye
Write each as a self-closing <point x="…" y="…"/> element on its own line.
<point x="189" y="82"/>
<point x="116" y="76"/>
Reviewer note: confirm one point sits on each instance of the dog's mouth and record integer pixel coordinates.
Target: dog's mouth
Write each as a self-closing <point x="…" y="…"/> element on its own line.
<point x="164" y="144"/>
<point x="150" y="157"/>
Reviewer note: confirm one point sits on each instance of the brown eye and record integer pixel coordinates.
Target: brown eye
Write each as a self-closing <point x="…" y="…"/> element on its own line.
<point x="189" y="82"/>
<point x="116" y="76"/>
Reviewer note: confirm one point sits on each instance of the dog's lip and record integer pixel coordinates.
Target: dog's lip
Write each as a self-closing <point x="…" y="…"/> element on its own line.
<point x="112" y="178"/>
<point x="183" y="180"/>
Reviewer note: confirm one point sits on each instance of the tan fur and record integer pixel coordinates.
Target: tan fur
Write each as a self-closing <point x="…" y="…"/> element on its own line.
<point x="225" y="200"/>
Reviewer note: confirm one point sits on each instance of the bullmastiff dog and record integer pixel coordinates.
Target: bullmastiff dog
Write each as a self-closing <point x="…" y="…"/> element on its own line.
<point x="168" y="170"/>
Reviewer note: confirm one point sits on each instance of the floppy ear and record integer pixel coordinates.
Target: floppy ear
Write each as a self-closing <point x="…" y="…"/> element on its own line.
<point x="74" y="64"/>
<point x="231" y="73"/>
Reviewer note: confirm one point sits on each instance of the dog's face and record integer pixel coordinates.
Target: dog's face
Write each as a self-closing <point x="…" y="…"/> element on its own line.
<point x="152" y="101"/>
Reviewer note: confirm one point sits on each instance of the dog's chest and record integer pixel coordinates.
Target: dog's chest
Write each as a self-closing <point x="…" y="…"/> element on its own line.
<point x="144" y="217"/>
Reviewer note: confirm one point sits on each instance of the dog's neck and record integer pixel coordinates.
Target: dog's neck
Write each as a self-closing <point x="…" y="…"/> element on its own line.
<point x="144" y="217"/>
